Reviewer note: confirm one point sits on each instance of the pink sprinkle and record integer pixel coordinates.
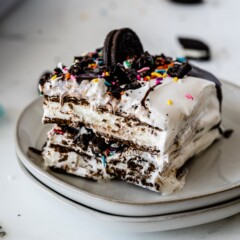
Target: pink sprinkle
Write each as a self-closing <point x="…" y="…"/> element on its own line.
<point x="143" y="69"/>
<point x="138" y="77"/>
<point x="158" y="80"/>
<point x="113" y="83"/>
<point x="73" y="77"/>
<point x="189" y="96"/>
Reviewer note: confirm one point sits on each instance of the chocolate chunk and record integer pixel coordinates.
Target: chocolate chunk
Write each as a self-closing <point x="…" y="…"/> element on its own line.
<point x="179" y="70"/>
<point x="120" y="45"/>
<point x="200" y="50"/>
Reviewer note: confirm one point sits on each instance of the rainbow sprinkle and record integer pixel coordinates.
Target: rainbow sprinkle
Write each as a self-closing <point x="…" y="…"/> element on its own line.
<point x="54" y="77"/>
<point x="189" y="96"/>
<point x="165" y="75"/>
<point x="143" y="69"/>
<point x="181" y="59"/>
<point x="107" y="83"/>
<point x="73" y="77"/>
<point x="95" y="80"/>
<point x="67" y="76"/>
<point x="155" y="74"/>
<point x="158" y="80"/>
<point x="104" y="162"/>
<point x="175" y="79"/>
<point x="160" y="70"/>
<point x="127" y="64"/>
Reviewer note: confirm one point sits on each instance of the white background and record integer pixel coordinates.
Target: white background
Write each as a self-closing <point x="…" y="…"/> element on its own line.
<point x="38" y="35"/>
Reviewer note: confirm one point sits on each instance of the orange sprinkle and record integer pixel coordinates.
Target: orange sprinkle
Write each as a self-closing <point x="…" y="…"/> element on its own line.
<point x="161" y="67"/>
<point x="147" y="78"/>
<point x="67" y="76"/>
<point x="92" y="65"/>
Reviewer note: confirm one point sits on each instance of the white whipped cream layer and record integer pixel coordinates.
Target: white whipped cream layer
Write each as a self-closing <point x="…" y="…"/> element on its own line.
<point x="179" y="120"/>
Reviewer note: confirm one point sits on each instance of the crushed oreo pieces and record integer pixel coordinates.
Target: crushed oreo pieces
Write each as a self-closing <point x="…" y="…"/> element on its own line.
<point x="179" y="70"/>
<point x="121" y="73"/>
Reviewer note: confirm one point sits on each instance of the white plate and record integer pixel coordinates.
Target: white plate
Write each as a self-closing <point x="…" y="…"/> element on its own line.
<point x="213" y="177"/>
<point x="144" y="224"/>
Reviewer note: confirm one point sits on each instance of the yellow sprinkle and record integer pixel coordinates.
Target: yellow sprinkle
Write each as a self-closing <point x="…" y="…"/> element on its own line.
<point x="175" y="79"/>
<point x="169" y="102"/>
<point x="95" y="80"/>
<point x="54" y="77"/>
<point x="148" y="78"/>
<point x="106" y="74"/>
<point x="164" y="75"/>
<point x="155" y="74"/>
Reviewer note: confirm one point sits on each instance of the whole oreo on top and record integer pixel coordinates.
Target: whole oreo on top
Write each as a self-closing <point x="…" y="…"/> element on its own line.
<point x="107" y="47"/>
<point x="120" y="45"/>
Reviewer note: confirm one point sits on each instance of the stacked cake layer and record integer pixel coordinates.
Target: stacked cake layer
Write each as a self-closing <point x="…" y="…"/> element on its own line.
<point x="137" y="122"/>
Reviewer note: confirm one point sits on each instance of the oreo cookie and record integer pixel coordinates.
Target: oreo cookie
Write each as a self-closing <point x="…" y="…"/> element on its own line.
<point x="195" y="49"/>
<point x="107" y="47"/>
<point x="120" y="45"/>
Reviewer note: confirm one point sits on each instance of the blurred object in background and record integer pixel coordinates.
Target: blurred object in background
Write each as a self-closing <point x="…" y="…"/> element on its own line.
<point x="188" y="1"/>
<point x="7" y="6"/>
<point x="2" y="112"/>
<point x="195" y="49"/>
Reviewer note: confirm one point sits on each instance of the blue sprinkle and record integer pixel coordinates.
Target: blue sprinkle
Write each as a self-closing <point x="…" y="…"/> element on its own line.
<point x="160" y="70"/>
<point x="100" y="63"/>
<point x="2" y="112"/>
<point x="181" y="59"/>
<point x="104" y="162"/>
<point x="107" y="83"/>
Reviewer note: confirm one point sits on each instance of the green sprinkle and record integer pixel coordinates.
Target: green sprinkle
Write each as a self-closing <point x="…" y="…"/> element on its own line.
<point x="127" y="64"/>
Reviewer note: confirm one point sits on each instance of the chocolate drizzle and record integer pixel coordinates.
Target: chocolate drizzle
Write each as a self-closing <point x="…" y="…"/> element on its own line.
<point x="146" y="95"/>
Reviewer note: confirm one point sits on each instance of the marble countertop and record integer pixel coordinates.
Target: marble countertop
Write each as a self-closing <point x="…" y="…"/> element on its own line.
<point x="36" y="35"/>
